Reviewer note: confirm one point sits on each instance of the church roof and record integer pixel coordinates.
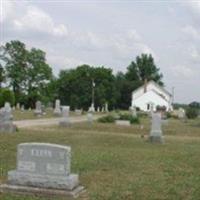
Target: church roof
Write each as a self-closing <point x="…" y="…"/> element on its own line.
<point x="154" y="83"/>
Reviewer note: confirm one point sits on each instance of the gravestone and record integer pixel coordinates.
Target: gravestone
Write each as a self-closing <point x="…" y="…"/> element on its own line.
<point x="90" y="117"/>
<point x="7" y="107"/>
<point x="43" y="168"/>
<point x="38" y="108"/>
<point x="91" y="108"/>
<point x="57" y="110"/>
<point x="6" y="117"/>
<point x="106" y="107"/>
<point x="98" y="109"/>
<point x="65" y="121"/>
<point x="22" y="108"/>
<point x="18" y="106"/>
<point x="122" y="122"/>
<point x="181" y="113"/>
<point x="43" y="108"/>
<point x="156" y="131"/>
<point x="78" y="111"/>
<point x="133" y="111"/>
<point x="151" y="109"/>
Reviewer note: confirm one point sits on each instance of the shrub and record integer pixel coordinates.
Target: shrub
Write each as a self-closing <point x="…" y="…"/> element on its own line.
<point x="107" y="119"/>
<point x="191" y="113"/>
<point x="124" y="116"/>
<point x="129" y="117"/>
<point x="142" y="114"/>
<point x="6" y="96"/>
<point x="134" y="120"/>
<point x="161" y="108"/>
<point x="168" y="115"/>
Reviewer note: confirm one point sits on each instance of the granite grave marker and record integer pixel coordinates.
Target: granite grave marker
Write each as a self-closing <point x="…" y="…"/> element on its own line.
<point x="43" y="168"/>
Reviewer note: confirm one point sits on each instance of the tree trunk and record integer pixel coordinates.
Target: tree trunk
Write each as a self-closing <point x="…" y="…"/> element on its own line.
<point x="145" y="85"/>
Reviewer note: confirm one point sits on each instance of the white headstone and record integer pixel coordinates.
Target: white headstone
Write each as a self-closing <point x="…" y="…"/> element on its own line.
<point x="90" y="117"/>
<point x="57" y="110"/>
<point x="38" y="109"/>
<point x="133" y="111"/>
<point x="156" y="131"/>
<point x="106" y="107"/>
<point x="22" y="108"/>
<point x="91" y="108"/>
<point x="7" y="107"/>
<point x="18" y="106"/>
<point x="6" y="117"/>
<point x="181" y="113"/>
<point x="65" y="121"/>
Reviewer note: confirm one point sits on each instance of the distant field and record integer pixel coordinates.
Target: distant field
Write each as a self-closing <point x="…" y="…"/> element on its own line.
<point x="115" y="163"/>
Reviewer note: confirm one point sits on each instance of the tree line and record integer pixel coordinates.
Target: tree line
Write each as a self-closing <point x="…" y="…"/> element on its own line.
<point x="25" y="77"/>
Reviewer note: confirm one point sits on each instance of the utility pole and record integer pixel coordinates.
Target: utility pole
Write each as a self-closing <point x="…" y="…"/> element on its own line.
<point x="173" y="94"/>
<point x="93" y="85"/>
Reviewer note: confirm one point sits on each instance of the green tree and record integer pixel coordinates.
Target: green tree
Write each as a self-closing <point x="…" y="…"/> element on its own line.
<point x="15" y="58"/>
<point x="75" y="86"/>
<point x="125" y="88"/>
<point x="139" y="72"/>
<point x="2" y="77"/>
<point x="27" y="72"/>
<point x="2" y="71"/>
<point x="39" y="74"/>
<point x="6" y="95"/>
<point x="143" y="70"/>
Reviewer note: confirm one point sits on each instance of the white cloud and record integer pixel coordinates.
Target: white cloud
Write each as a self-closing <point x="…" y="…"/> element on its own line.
<point x="191" y="31"/>
<point x="195" y="53"/>
<point x="63" y="62"/>
<point x="194" y="6"/>
<point x="134" y="35"/>
<point x="6" y="8"/>
<point x="87" y="40"/>
<point x="28" y="18"/>
<point x="131" y="44"/>
<point x="183" y="71"/>
<point x="36" y="19"/>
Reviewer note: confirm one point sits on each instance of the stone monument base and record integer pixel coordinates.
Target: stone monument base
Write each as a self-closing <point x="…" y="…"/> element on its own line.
<point x="43" y="181"/>
<point x="43" y="192"/>
<point x="123" y="122"/>
<point x="58" y="113"/>
<point x="38" y="113"/>
<point x="156" y="139"/>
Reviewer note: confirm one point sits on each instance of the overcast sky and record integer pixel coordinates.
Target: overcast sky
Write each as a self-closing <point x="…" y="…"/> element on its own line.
<point x="112" y="33"/>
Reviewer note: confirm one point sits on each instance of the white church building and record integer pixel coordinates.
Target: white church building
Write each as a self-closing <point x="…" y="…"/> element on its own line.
<point x="151" y="95"/>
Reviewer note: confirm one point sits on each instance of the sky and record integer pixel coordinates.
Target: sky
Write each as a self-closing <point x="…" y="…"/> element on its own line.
<point x="111" y="34"/>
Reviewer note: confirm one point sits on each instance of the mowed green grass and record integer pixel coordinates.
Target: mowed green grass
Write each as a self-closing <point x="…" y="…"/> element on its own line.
<point x="115" y="163"/>
<point x="29" y="114"/>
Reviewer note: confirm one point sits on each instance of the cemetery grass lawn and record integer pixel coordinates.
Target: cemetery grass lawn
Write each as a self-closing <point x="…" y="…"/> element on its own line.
<point x="115" y="163"/>
<point x="29" y="114"/>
